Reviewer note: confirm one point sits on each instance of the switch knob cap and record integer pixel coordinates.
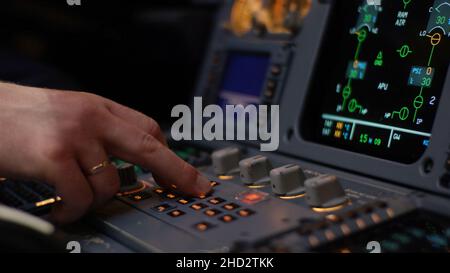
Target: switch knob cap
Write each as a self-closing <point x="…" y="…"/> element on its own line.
<point x="255" y="170"/>
<point x="288" y="180"/>
<point x="226" y="161"/>
<point x="324" y="191"/>
<point x="128" y="177"/>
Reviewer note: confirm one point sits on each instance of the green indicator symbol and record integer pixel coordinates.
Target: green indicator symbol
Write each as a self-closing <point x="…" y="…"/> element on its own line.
<point x="379" y="60"/>
<point x="362" y="35"/>
<point x="346" y="92"/>
<point x="418" y="102"/>
<point x="406" y="3"/>
<point x="404" y="51"/>
<point x="353" y="106"/>
<point x="403" y="114"/>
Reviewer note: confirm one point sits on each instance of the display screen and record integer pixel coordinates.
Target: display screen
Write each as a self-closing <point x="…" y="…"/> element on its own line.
<point x="380" y="77"/>
<point x="243" y="78"/>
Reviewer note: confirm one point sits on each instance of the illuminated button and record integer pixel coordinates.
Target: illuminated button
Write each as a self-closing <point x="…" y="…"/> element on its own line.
<point x="204" y="196"/>
<point x="171" y="195"/>
<point x="140" y="196"/>
<point x="159" y="191"/>
<point x="230" y="206"/>
<point x="198" y="206"/>
<point x="162" y="207"/>
<point x="245" y="212"/>
<point x="227" y="218"/>
<point x="212" y="212"/>
<point x="216" y="200"/>
<point x="176" y="213"/>
<point x="203" y="226"/>
<point x="251" y="197"/>
<point x="184" y="201"/>
<point x="214" y="184"/>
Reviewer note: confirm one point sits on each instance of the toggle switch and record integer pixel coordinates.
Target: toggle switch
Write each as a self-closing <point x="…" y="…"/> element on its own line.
<point x="255" y="170"/>
<point x="226" y="161"/>
<point x="288" y="180"/>
<point x="324" y="191"/>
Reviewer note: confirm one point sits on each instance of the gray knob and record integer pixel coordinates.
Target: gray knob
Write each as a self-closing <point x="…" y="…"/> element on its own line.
<point x="255" y="170"/>
<point x="324" y="191"/>
<point x="226" y="160"/>
<point x="128" y="177"/>
<point x="287" y="180"/>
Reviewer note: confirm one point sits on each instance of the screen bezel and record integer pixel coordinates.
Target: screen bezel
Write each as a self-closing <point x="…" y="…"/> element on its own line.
<point x="293" y="113"/>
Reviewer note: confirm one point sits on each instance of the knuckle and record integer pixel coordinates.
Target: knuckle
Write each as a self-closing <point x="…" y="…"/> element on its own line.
<point x="153" y="127"/>
<point x="56" y="152"/>
<point x="149" y="145"/>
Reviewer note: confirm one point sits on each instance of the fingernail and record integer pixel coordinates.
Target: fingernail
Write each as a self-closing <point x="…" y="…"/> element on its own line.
<point x="202" y="184"/>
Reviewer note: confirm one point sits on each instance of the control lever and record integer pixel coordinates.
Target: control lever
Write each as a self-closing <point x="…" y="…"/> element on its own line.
<point x="324" y="191"/>
<point x="288" y="180"/>
<point x="226" y="161"/>
<point x="255" y="170"/>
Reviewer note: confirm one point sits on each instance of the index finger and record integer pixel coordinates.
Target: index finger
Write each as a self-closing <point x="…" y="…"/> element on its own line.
<point x="136" y="146"/>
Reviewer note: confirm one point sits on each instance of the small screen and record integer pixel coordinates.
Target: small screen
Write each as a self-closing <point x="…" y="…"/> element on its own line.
<point x="380" y="77"/>
<point x="243" y="78"/>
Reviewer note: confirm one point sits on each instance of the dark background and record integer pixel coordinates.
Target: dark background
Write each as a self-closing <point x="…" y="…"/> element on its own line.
<point x="144" y="54"/>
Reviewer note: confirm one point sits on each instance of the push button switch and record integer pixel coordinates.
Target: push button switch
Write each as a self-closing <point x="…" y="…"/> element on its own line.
<point x="231" y="206"/>
<point x="212" y="212"/>
<point x="252" y="197"/>
<point x="245" y="212"/>
<point x="198" y="206"/>
<point x="203" y="226"/>
<point x="227" y="218"/>
<point x="162" y="207"/>
<point x="159" y="191"/>
<point x="185" y="201"/>
<point x="216" y="200"/>
<point x="171" y="195"/>
<point x="176" y="213"/>
<point x="140" y="196"/>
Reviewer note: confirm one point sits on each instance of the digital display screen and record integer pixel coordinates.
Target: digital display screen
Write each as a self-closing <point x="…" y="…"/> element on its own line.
<point x="243" y="78"/>
<point x="380" y="77"/>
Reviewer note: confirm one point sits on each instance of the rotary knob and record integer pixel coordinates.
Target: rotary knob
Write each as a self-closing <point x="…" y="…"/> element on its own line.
<point x="288" y="180"/>
<point x="255" y="170"/>
<point x="226" y="161"/>
<point x="324" y="191"/>
<point x="128" y="177"/>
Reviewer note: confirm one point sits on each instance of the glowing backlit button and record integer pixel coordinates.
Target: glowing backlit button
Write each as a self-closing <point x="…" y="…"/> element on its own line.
<point x="245" y="212"/>
<point x="162" y="207"/>
<point x="184" y="201"/>
<point x="159" y="191"/>
<point x="251" y="197"/>
<point x="227" y="218"/>
<point x="171" y="195"/>
<point x="203" y="226"/>
<point x="140" y="196"/>
<point x="212" y="212"/>
<point x="216" y="200"/>
<point x="198" y="206"/>
<point x="230" y="206"/>
<point x="176" y="213"/>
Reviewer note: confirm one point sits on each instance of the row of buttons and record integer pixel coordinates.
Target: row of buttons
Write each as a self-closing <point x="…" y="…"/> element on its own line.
<point x="210" y="212"/>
